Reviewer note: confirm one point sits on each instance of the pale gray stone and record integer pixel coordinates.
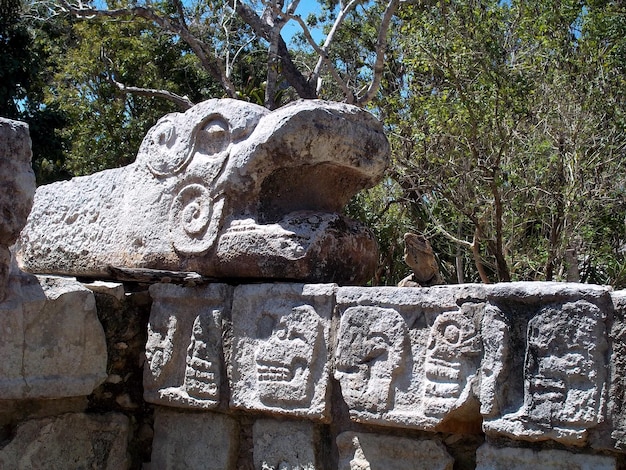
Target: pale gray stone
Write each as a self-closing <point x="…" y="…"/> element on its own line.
<point x="563" y="393"/>
<point x="410" y="357"/>
<point x="114" y="289"/>
<point x="489" y="457"/>
<point x="17" y="179"/>
<point x="193" y="441"/>
<point x="17" y="189"/>
<point x="226" y="189"/>
<point x="279" y="359"/>
<point x="52" y="343"/>
<point x="184" y="353"/>
<point x="69" y="441"/>
<point x="365" y="451"/>
<point x="285" y="445"/>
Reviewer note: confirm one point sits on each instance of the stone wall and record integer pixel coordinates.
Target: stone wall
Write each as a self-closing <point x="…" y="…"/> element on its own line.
<point x="203" y="359"/>
<point x="316" y="376"/>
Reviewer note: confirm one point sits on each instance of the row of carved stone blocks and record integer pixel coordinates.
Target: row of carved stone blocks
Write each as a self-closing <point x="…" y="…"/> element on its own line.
<point x="530" y="361"/>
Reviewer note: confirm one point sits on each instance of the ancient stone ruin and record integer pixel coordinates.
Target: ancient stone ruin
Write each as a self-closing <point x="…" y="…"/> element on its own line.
<point x="217" y="320"/>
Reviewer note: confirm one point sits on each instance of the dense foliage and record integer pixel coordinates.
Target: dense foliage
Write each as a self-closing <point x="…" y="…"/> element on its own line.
<point x="507" y="118"/>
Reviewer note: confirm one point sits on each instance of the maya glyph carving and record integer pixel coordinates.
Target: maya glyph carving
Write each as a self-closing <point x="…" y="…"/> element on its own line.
<point x="564" y="386"/>
<point x="372" y="347"/>
<point x="453" y="355"/>
<point x="202" y="372"/>
<point x="284" y="360"/>
<point x="279" y="360"/>
<point x="184" y="351"/>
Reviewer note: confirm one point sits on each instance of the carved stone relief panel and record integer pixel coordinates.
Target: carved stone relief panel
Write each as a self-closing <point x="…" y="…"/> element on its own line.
<point x="563" y="391"/>
<point x="280" y="347"/>
<point x="410" y="357"/>
<point x="184" y="348"/>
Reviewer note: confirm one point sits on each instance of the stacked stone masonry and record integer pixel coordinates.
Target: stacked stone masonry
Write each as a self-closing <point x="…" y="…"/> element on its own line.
<point x="526" y="370"/>
<point x="206" y="358"/>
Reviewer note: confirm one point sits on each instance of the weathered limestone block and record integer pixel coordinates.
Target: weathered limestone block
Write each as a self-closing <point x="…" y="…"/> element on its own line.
<point x="17" y="189"/>
<point x="364" y="451"/>
<point x="51" y="341"/>
<point x="489" y="457"/>
<point x="530" y="360"/>
<point x="552" y="381"/>
<point x="185" y="360"/>
<point x="69" y="441"/>
<point x="227" y="189"/>
<point x="410" y="357"/>
<point x="285" y="445"/>
<point x="193" y="441"/>
<point x="280" y="348"/>
<point x="617" y="394"/>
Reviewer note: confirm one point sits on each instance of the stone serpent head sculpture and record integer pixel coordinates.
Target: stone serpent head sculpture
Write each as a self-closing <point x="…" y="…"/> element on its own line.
<point x="227" y="189"/>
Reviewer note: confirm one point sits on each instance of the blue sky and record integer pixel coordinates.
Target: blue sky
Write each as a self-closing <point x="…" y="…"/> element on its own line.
<point x="304" y="9"/>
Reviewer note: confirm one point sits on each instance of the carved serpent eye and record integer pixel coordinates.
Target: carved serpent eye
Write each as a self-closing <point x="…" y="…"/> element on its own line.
<point x="212" y="138"/>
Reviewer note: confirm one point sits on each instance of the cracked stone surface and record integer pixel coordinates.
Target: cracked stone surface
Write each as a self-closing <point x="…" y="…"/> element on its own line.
<point x="226" y="189"/>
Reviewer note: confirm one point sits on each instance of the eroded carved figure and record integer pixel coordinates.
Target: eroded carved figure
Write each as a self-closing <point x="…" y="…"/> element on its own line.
<point x="202" y="370"/>
<point x="283" y="362"/>
<point x="453" y="355"/>
<point x="372" y="348"/>
<point x="564" y="375"/>
<point x="280" y="348"/>
<point x="226" y="189"/>
<point x="184" y="348"/>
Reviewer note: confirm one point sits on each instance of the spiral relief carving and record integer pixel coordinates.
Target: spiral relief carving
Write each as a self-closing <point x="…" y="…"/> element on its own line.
<point x="194" y="219"/>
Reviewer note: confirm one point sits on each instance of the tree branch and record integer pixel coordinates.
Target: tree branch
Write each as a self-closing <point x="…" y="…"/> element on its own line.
<point x="323" y="59"/>
<point x="182" y="102"/>
<point x="381" y="46"/>
<point x="299" y="82"/>
<point x="209" y="62"/>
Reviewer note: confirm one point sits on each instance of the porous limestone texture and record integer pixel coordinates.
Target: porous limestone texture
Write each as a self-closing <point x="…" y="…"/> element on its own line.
<point x="17" y="189"/>
<point x="285" y="445"/>
<point x="227" y="189"/>
<point x="410" y="357"/>
<point x="69" y="441"/>
<point x="528" y="360"/>
<point x="51" y="342"/>
<point x="489" y="457"/>
<point x="185" y="361"/>
<point x="184" y="440"/>
<point x="280" y="348"/>
<point x="617" y="403"/>
<point x="366" y="451"/>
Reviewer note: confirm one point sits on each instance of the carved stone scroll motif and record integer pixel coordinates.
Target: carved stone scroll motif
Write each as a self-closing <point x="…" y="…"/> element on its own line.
<point x="280" y="348"/>
<point x="564" y="376"/>
<point x="409" y="357"/>
<point x="227" y="189"/>
<point x="184" y="349"/>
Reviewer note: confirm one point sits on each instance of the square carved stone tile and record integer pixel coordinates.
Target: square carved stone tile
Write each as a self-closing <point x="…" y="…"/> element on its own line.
<point x="280" y="348"/>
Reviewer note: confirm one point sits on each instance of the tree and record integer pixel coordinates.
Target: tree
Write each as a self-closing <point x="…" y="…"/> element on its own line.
<point x="24" y="63"/>
<point x="219" y="32"/>
<point x="505" y="133"/>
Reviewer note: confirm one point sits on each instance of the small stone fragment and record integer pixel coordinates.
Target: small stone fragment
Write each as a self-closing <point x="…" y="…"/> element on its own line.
<point x="365" y="451"/>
